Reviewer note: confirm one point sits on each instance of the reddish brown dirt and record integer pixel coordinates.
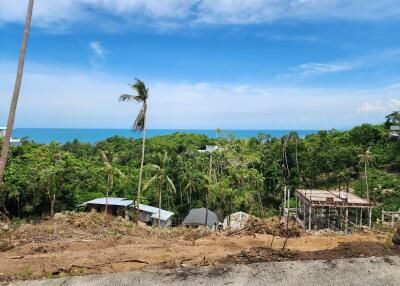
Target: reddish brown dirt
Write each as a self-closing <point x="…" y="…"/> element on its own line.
<point x="38" y="256"/>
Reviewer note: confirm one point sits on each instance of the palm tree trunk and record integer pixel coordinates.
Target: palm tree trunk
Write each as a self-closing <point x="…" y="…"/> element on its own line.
<point x="107" y="191"/>
<point x="17" y="88"/>
<point x="366" y="179"/>
<point x="159" y="208"/>
<point x="141" y="171"/>
<point x="205" y="223"/>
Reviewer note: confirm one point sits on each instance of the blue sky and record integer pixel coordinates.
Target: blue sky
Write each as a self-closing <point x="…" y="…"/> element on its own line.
<point x="255" y="64"/>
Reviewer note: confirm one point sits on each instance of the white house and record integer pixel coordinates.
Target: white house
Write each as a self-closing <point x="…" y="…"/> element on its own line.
<point x="13" y="141"/>
<point x="210" y="149"/>
<point x="394" y="131"/>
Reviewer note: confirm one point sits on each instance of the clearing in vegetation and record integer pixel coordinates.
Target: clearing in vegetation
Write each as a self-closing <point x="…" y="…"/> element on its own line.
<point x="87" y="243"/>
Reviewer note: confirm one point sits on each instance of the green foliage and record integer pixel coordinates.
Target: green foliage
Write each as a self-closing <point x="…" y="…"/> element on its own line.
<point x="247" y="175"/>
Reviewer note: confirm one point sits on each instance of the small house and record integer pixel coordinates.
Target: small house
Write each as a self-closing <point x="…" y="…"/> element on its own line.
<point x="150" y="215"/>
<point x="395" y="131"/>
<point x="115" y="206"/>
<point x="13" y="142"/>
<point x="125" y="208"/>
<point x="197" y="217"/>
<point x="210" y="149"/>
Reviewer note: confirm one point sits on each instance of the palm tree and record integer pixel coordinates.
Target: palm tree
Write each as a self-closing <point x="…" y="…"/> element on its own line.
<point x="161" y="179"/>
<point x="190" y="185"/>
<point x="17" y="88"/>
<point x="139" y="125"/>
<point x="366" y="159"/>
<point x="109" y="158"/>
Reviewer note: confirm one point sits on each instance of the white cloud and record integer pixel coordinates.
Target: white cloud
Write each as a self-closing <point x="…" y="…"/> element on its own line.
<point x="372" y="60"/>
<point x="55" y="97"/>
<point x="372" y="107"/>
<point x="97" y="48"/>
<point x="55" y="13"/>
<point x="395" y="104"/>
<point x="98" y="56"/>
<point x="319" y="68"/>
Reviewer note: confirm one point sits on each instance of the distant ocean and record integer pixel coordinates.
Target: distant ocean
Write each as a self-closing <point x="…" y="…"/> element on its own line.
<point x="63" y="135"/>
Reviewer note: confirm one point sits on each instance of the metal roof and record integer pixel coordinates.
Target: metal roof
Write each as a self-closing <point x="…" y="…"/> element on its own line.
<point x="111" y="202"/>
<point x="164" y="215"/>
<point x="197" y="217"/>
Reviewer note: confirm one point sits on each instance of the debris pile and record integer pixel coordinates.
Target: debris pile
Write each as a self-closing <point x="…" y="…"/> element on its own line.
<point x="236" y="221"/>
<point x="272" y="226"/>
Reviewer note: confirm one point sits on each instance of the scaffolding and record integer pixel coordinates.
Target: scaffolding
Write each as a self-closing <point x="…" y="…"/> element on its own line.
<point x="331" y="209"/>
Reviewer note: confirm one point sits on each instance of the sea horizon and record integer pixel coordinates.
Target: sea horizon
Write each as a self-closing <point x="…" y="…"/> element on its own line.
<point x="93" y="135"/>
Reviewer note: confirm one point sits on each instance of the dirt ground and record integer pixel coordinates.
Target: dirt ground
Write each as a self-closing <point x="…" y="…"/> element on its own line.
<point x="79" y="246"/>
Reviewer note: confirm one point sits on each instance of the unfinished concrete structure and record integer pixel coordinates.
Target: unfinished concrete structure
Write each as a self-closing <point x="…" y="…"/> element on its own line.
<point x="390" y="217"/>
<point x="331" y="209"/>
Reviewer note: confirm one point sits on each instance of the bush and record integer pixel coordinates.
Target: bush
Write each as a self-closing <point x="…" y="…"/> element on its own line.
<point x="396" y="237"/>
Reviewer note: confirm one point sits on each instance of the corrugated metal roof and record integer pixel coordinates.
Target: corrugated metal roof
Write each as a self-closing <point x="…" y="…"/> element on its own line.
<point x="197" y="217"/>
<point x="111" y="202"/>
<point x="164" y="215"/>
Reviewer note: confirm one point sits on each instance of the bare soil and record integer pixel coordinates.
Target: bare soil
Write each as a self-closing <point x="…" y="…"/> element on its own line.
<point x="87" y="244"/>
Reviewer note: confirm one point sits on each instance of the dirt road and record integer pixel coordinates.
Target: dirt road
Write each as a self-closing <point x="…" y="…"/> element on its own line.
<point x="355" y="271"/>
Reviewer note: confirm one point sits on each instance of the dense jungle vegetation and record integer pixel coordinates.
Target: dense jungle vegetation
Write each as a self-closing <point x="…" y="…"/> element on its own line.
<point x="246" y="175"/>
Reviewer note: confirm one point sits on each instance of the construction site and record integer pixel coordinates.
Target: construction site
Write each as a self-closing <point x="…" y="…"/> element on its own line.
<point x="332" y="209"/>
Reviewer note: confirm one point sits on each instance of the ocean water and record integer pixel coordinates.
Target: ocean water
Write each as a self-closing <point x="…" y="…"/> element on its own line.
<point x="63" y="135"/>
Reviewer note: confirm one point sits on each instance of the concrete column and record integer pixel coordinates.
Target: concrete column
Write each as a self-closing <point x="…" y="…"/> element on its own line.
<point x="361" y="218"/>
<point x="370" y="217"/>
<point x="346" y="222"/>
<point x="284" y="200"/>
<point x="383" y="216"/>
<point x="329" y="217"/>
<point x="356" y="216"/>
<point x="309" y="217"/>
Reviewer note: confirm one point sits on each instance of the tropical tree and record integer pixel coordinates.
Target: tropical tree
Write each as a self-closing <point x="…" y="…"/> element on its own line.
<point x="17" y="88"/>
<point x="191" y="185"/>
<point x="366" y="159"/>
<point x="139" y="125"/>
<point x="110" y="169"/>
<point x="161" y="179"/>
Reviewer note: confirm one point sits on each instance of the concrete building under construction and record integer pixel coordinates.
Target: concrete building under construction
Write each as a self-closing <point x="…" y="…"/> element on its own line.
<point x="332" y="209"/>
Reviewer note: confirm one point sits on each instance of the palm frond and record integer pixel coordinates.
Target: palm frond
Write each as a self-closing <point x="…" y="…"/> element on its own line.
<point x="171" y="184"/>
<point x="126" y="97"/>
<point x="139" y="123"/>
<point x="150" y="182"/>
<point x="119" y="173"/>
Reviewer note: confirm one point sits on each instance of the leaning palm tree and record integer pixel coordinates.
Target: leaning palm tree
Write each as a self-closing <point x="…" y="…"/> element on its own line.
<point x="139" y="125"/>
<point x="108" y="159"/>
<point x="160" y="179"/>
<point x="17" y="88"/>
<point x="366" y="159"/>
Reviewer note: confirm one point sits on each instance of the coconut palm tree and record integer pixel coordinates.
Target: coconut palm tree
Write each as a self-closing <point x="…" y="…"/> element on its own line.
<point x="108" y="159"/>
<point x="17" y="88"/>
<point x="366" y="159"/>
<point x="160" y="179"/>
<point x="139" y="125"/>
<point x="191" y="185"/>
